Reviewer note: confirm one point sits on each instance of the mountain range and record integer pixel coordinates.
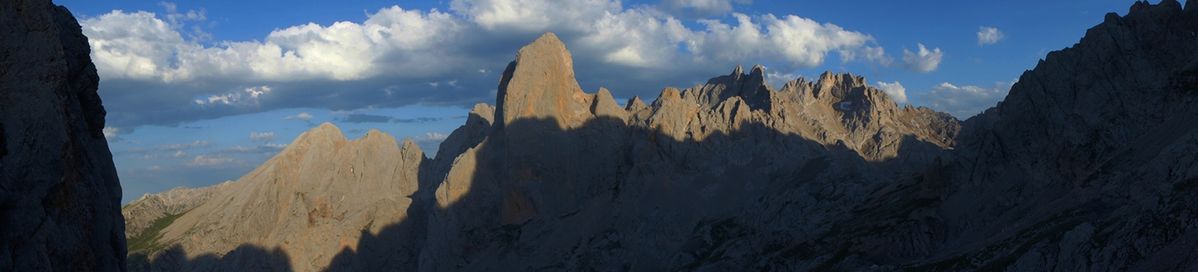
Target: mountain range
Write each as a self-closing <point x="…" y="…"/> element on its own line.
<point x="1090" y="163"/>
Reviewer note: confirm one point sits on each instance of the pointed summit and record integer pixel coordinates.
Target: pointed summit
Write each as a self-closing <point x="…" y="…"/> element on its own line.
<point x="409" y="144"/>
<point x="749" y="87"/>
<point x="484" y="111"/>
<point x="547" y="43"/>
<point x="604" y="105"/>
<point x="635" y="104"/>
<point x="321" y="190"/>
<point x="540" y="84"/>
<point x="324" y="131"/>
<point x="326" y="135"/>
<point x="758" y="72"/>
<point x="411" y="151"/>
<point x="326" y="127"/>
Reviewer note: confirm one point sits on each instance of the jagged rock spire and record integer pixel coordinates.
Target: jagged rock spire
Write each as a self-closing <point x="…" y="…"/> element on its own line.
<point x="540" y="84"/>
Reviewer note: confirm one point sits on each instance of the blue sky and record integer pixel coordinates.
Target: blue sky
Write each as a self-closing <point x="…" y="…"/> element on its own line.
<point x="200" y="92"/>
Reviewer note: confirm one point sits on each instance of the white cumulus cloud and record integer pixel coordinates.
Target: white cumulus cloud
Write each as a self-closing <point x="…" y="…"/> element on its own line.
<point x="535" y="15"/>
<point x="244" y="97"/>
<point x="989" y="35"/>
<point x="895" y="90"/>
<point x="435" y="136"/>
<point x="800" y="41"/>
<point x="209" y="160"/>
<point x="140" y="45"/>
<point x="924" y="60"/>
<point x="111" y="132"/>
<point x="968" y="100"/>
<point x="303" y="116"/>
<point x="262" y="136"/>
<point x="703" y="7"/>
<point x="183" y="146"/>
<point x="637" y="38"/>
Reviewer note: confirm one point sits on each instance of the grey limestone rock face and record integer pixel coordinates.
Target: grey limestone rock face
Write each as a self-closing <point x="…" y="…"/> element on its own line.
<point x="59" y="193"/>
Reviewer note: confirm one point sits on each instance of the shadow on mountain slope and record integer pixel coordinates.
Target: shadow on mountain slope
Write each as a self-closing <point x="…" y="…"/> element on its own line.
<point x="592" y="197"/>
<point x="1088" y="164"/>
<point x="243" y="258"/>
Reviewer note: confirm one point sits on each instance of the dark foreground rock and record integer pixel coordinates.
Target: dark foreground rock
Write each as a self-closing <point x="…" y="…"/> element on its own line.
<point x="59" y="193"/>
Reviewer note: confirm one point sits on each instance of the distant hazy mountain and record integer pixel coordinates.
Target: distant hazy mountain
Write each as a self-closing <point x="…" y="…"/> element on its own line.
<point x="59" y="193"/>
<point x="1091" y="163"/>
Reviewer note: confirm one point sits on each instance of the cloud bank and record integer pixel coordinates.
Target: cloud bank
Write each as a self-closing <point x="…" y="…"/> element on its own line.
<point x="157" y="70"/>
<point x="968" y="100"/>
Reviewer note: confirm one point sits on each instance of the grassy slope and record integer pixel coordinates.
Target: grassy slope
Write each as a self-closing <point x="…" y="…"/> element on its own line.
<point x="147" y="241"/>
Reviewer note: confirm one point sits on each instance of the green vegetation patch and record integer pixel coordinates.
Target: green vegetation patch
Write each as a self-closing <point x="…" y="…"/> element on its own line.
<point x="147" y="240"/>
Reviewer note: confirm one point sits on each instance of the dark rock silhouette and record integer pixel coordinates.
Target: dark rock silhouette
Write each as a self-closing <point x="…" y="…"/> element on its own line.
<point x="59" y="193"/>
<point x="1084" y="165"/>
<point x="1091" y="163"/>
<point x="242" y="258"/>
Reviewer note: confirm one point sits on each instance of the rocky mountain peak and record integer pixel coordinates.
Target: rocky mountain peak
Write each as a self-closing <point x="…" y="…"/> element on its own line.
<point x="376" y="137"/>
<point x="842" y="92"/>
<point x="540" y="84"/>
<point x="1080" y="138"/>
<point x="409" y="146"/>
<point x="635" y="104"/>
<point x="478" y="123"/>
<point x="604" y="105"/>
<point x="323" y="136"/>
<point x="841" y="83"/>
<point x="1163" y="7"/>
<point x="375" y="134"/>
<point x="756" y="73"/>
<point x="756" y="77"/>
<point x="322" y="189"/>
<point x="751" y="87"/>
<point x="667" y="95"/>
<point x="1150" y="50"/>
<point x="484" y="111"/>
<point x="327" y="131"/>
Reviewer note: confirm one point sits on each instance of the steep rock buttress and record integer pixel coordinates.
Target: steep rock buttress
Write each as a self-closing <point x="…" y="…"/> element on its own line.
<point x="59" y="193"/>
